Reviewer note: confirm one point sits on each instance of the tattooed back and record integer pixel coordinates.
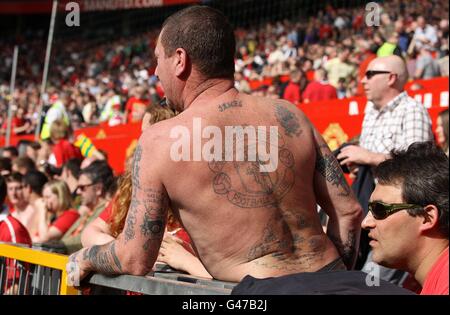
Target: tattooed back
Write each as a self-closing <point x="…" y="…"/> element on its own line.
<point x="252" y="211"/>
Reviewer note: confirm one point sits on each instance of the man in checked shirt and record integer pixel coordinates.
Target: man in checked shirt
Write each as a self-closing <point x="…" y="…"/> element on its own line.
<point x="393" y="120"/>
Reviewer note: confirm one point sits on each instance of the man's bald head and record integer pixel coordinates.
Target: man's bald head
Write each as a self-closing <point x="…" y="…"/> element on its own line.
<point x="394" y="64"/>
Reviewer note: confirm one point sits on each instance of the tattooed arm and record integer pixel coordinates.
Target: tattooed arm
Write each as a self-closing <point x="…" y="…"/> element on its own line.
<point x="135" y="250"/>
<point x="336" y="198"/>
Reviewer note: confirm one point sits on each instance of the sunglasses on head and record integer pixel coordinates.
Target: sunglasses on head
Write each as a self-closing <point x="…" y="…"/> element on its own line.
<point x="371" y="73"/>
<point x="381" y="210"/>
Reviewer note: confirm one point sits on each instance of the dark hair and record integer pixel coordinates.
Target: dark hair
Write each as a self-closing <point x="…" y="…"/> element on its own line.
<point x="14" y="177"/>
<point x="207" y="37"/>
<point x="422" y="172"/>
<point x="2" y="190"/>
<point x="73" y="166"/>
<point x="25" y="162"/>
<point x="13" y="150"/>
<point x="36" y="180"/>
<point x="5" y="164"/>
<point x="99" y="172"/>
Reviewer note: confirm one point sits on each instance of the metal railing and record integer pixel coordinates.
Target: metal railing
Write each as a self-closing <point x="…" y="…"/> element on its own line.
<point x="26" y="271"/>
<point x="29" y="271"/>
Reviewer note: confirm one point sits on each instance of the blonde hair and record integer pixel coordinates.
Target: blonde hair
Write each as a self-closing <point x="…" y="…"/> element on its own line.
<point x="60" y="189"/>
<point x="159" y="113"/>
<point x="59" y="130"/>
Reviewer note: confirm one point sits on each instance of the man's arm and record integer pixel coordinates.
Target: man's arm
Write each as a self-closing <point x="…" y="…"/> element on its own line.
<point x="135" y="250"/>
<point x="336" y="198"/>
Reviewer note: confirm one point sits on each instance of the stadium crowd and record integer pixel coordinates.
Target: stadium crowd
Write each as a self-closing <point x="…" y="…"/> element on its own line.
<point x="322" y="57"/>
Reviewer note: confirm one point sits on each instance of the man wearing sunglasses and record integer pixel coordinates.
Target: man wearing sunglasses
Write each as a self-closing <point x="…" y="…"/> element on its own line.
<point x="392" y="120"/>
<point x="408" y="216"/>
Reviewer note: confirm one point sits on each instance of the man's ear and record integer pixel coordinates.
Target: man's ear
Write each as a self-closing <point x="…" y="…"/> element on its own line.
<point x="180" y="60"/>
<point x="431" y="218"/>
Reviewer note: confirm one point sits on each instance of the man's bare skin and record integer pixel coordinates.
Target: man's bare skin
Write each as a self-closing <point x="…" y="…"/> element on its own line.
<point x="241" y="221"/>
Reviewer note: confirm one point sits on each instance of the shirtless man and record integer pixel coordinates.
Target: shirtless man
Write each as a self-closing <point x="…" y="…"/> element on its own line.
<point x="242" y="221"/>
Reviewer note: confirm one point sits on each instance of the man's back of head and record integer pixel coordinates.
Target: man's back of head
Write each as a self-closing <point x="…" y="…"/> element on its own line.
<point x="36" y="181"/>
<point x="207" y="37"/>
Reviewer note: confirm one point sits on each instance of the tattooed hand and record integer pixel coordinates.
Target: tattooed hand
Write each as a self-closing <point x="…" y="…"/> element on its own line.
<point x="77" y="268"/>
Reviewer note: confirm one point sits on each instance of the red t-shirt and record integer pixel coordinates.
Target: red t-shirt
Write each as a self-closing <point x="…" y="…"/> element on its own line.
<point x="106" y="213"/>
<point x="66" y="220"/>
<point x="135" y="108"/>
<point x="64" y="150"/>
<point x="292" y="93"/>
<point x="316" y="91"/>
<point x="436" y="282"/>
<point x="12" y="231"/>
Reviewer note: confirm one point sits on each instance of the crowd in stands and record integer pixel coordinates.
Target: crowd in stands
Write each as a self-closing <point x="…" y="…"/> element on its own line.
<point x="321" y="57"/>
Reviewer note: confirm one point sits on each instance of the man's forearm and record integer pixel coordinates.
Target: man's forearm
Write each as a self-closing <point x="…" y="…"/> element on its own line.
<point x="103" y="259"/>
<point x="345" y="235"/>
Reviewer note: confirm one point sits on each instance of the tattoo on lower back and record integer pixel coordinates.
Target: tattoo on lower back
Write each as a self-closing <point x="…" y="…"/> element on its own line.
<point x="104" y="259"/>
<point x="223" y="107"/>
<point x="328" y="166"/>
<point x="288" y="120"/>
<point x="347" y="249"/>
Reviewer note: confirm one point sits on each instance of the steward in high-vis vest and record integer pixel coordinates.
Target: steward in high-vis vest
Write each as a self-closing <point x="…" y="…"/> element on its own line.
<point x="56" y="112"/>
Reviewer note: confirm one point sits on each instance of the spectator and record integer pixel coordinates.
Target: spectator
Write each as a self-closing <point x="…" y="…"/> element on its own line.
<point x="135" y="107"/>
<point x="340" y="67"/>
<point x="426" y="66"/>
<point x="319" y="89"/>
<point x="10" y="153"/>
<point x="33" y="184"/>
<point x="29" y="149"/>
<point x="23" y="165"/>
<point x="70" y="174"/>
<point x="441" y="131"/>
<point x="55" y="216"/>
<point x="292" y="93"/>
<point x="11" y="231"/>
<point x="93" y="185"/>
<point x="392" y="120"/>
<point x="415" y="240"/>
<point x="63" y="150"/>
<point x="5" y="166"/>
<point x="425" y="34"/>
<point x="57" y="111"/>
<point x="19" y="205"/>
<point x="444" y="63"/>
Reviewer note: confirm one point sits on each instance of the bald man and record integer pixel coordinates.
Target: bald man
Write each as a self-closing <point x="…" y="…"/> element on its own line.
<point x="392" y="120"/>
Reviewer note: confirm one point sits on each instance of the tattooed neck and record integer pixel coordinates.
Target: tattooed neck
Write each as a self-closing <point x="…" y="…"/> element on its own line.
<point x="223" y="107"/>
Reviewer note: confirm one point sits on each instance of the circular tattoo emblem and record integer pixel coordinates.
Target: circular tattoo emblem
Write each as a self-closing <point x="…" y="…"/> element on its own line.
<point x="246" y="186"/>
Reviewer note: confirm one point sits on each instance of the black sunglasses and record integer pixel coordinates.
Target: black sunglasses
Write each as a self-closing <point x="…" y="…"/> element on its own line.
<point x="371" y="73"/>
<point x="83" y="187"/>
<point x="381" y="210"/>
